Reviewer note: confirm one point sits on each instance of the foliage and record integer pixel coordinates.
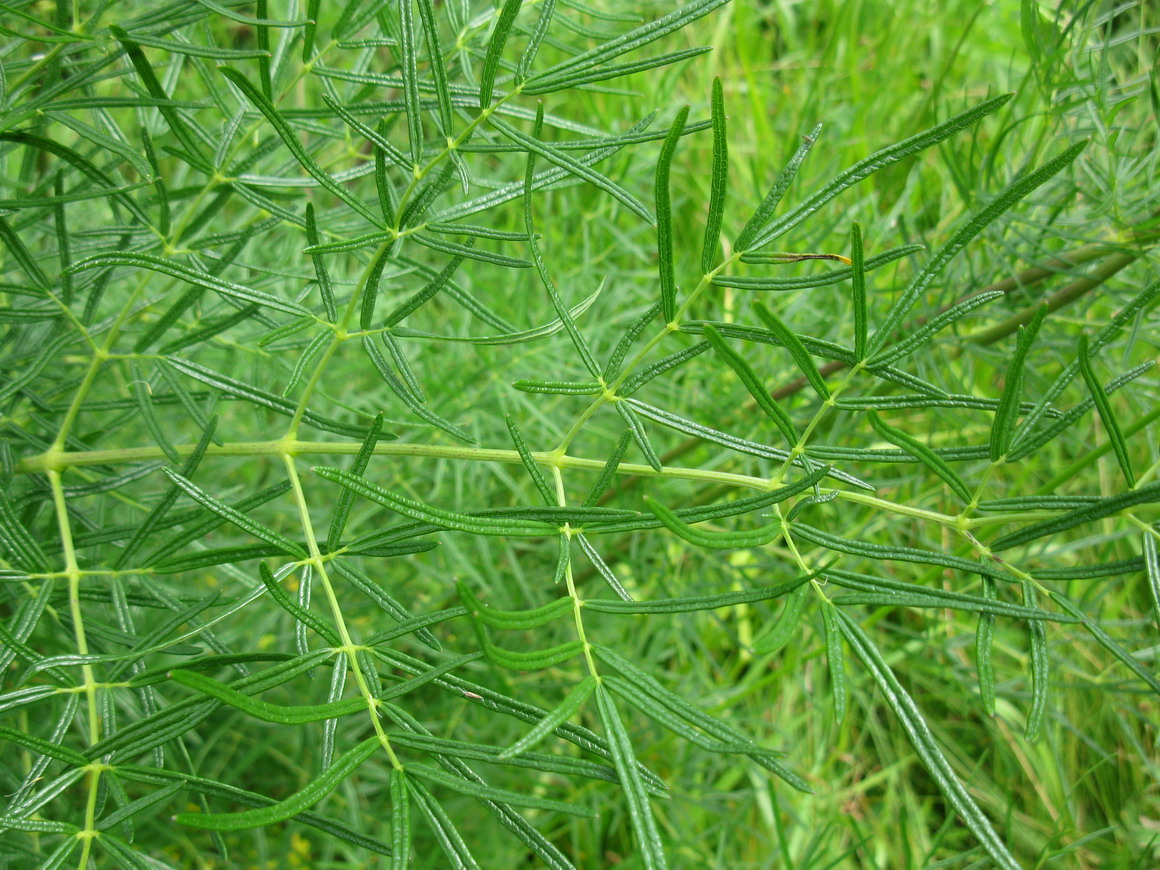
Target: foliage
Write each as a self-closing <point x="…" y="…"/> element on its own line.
<point x="390" y="432"/>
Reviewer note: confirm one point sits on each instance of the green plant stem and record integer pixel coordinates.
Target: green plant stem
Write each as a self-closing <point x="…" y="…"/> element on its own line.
<point x="349" y="648"/>
<point x="89" y="682"/>
<point x="577" y="603"/>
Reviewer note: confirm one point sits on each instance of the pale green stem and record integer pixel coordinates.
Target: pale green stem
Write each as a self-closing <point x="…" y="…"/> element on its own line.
<point x="349" y="648"/>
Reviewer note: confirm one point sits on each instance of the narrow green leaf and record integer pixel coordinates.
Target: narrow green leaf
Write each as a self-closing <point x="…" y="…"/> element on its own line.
<point x="764" y="213"/>
<point x="568" y="81"/>
<point x="190" y="143"/>
<point x="410" y="70"/>
<point x="1040" y="667"/>
<point x="883" y="592"/>
<point x="433" y="286"/>
<point x="21" y="547"/>
<point x="48" y="354"/>
<point x="559" y="388"/>
<point x="380" y="141"/>
<point x="541" y="268"/>
<point x="608" y="472"/>
<point x="562" y="159"/>
<point x="606" y="573"/>
<point x="912" y="721"/>
<point x="290" y="140"/>
<point x="1087" y="514"/>
<point x="535" y="40"/>
<point x="835" y="662"/>
<point x="449" y="839"/>
<point x="612" y="368"/>
<point x="325" y="287"/>
<point x="636" y="429"/>
<point x="368" y="289"/>
<point x="861" y="308"/>
<point x="789" y="340"/>
<point x="686" y="605"/>
<point x="664" y="218"/>
<point x="323" y="339"/>
<point x="978" y="222"/>
<point x="781" y="631"/>
<point x="534" y="660"/>
<point x="923" y="454"/>
<point x="286" y="330"/>
<point x="520" y="336"/>
<point x="918" y="337"/>
<point x="824" y="279"/>
<point x="562" y="713"/>
<point x="343" y="767"/>
<point x="385" y="602"/>
<point x="311" y="29"/>
<point x="1104" y="407"/>
<point x="435" y="65"/>
<point x="436" y="516"/>
<point x="756" y="389"/>
<point x="1105" y="640"/>
<point x="1152" y="568"/>
<point x="486" y="792"/>
<point x="984" y="642"/>
<point x="22" y="255"/>
<point x="634" y="39"/>
<point x="714" y="540"/>
<point x="513" y="619"/>
<point x="658" y="368"/>
<point x="191" y="276"/>
<point x="282" y="714"/>
<point x="732" y="442"/>
<point x="261" y="398"/>
<point x="1004" y="425"/>
<point x="882" y="552"/>
<point x="470" y="252"/>
<point x="341" y="513"/>
<point x="301" y="615"/>
<point x="142" y="392"/>
<point x="45" y="747"/>
<point x="243" y="522"/>
<point x="529" y="463"/>
<point x="400" y="389"/>
<point x="503" y="27"/>
<point x="869" y="165"/>
<point x="649" y="844"/>
<point x="400" y="820"/>
<point x="196" y="527"/>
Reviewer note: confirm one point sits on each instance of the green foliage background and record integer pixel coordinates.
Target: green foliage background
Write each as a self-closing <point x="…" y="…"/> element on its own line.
<point x="97" y="397"/>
